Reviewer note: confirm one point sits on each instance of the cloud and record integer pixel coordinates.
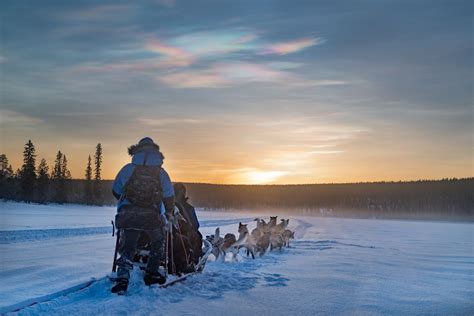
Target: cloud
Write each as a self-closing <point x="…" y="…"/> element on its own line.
<point x="8" y="116"/>
<point x="166" y="59"/>
<point x="319" y="83"/>
<point x="168" y="121"/>
<point x="216" y="43"/>
<point x="325" y="152"/>
<point x="285" y="48"/>
<point x="172" y="56"/>
<point x="222" y="75"/>
<point x="2" y="59"/>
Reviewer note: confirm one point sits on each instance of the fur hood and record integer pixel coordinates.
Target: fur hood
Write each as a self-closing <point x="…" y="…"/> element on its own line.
<point x="150" y="148"/>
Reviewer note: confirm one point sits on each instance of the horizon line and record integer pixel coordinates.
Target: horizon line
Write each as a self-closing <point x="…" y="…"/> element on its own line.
<point x="315" y="183"/>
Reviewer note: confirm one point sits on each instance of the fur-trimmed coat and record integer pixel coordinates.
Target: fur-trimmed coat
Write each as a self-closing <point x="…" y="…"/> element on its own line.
<point x="153" y="158"/>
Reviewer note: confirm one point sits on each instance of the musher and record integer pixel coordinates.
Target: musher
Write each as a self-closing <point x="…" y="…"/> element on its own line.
<point x="145" y="197"/>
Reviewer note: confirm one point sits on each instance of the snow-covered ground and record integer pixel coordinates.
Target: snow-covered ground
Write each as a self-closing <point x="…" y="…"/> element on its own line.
<point x="335" y="266"/>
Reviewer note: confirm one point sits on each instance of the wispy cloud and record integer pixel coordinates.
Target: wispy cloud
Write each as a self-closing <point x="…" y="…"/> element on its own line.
<point x="168" y="121"/>
<point x="188" y="49"/>
<point x="216" y="43"/>
<point x="172" y="56"/>
<point x="12" y="117"/>
<point x="325" y="152"/>
<point x="2" y="59"/>
<point x="284" y="48"/>
<point x="222" y="75"/>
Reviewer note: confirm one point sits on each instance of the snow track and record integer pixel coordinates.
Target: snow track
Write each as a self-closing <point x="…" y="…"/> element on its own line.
<point x="13" y="236"/>
<point x="45" y="298"/>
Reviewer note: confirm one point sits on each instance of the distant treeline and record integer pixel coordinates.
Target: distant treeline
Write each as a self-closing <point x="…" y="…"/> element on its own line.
<point x="441" y="199"/>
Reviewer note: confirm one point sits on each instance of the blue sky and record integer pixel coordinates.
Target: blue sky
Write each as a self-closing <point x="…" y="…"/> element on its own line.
<point x="244" y="91"/>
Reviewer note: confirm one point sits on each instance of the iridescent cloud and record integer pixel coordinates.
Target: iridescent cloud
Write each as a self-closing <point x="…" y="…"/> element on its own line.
<point x="172" y="56"/>
<point x="221" y="75"/>
<point x="285" y="48"/>
<point x="216" y="43"/>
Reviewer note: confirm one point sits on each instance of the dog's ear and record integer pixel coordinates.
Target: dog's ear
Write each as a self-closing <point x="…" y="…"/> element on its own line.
<point x="240" y="224"/>
<point x="288" y="221"/>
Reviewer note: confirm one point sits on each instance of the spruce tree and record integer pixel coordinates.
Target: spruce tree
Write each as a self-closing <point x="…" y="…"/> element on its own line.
<point x="10" y="172"/>
<point x="28" y="171"/>
<point x="43" y="181"/>
<point x="66" y="174"/>
<point x="17" y="174"/>
<point x="97" y="177"/>
<point x="58" y="177"/>
<point x="88" y="192"/>
<point x="7" y="187"/>
<point x="89" y="169"/>
<point x="57" y="170"/>
<point x="43" y="170"/>
<point x="5" y="169"/>
<point x="98" y="161"/>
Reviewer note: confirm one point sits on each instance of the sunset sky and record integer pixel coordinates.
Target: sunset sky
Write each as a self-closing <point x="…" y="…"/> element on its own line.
<point x="243" y="91"/>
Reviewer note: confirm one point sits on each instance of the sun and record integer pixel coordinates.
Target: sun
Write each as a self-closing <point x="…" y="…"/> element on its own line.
<point x="264" y="177"/>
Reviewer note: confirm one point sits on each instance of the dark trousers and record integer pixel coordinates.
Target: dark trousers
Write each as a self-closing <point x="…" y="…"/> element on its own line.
<point x="129" y="239"/>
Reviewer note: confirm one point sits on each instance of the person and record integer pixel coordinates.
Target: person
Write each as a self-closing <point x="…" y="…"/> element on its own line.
<point x="189" y="229"/>
<point x="145" y="197"/>
<point x="182" y="203"/>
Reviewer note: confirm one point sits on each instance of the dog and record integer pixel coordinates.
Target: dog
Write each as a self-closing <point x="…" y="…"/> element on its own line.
<point x="261" y="237"/>
<point x="247" y="241"/>
<point x="276" y="233"/>
<point x="256" y="232"/>
<point x="281" y="227"/>
<point x="273" y="221"/>
<point x="221" y="246"/>
<point x="287" y="235"/>
<point x="216" y="242"/>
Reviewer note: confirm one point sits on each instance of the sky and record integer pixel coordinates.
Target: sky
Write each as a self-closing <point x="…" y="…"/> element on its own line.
<point x="244" y="92"/>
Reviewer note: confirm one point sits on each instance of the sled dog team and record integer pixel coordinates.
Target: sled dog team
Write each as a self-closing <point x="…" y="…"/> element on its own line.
<point x="265" y="236"/>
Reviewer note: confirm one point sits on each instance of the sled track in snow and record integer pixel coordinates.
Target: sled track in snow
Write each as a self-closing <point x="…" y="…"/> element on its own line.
<point x="46" y="298"/>
<point x="15" y="236"/>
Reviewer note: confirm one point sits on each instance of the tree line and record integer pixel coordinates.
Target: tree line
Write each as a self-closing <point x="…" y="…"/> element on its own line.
<point x="31" y="183"/>
<point x="440" y="199"/>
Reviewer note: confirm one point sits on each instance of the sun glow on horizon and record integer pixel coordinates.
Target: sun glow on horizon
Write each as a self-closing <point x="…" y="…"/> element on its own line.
<point x="263" y="177"/>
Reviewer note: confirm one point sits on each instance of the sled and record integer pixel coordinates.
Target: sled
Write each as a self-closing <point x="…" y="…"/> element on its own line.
<point x="198" y="268"/>
<point x="141" y="258"/>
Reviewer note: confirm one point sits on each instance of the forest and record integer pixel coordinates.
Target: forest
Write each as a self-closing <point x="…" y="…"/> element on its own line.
<point x="436" y="199"/>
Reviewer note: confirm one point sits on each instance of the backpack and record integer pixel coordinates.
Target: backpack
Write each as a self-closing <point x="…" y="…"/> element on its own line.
<point x="143" y="189"/>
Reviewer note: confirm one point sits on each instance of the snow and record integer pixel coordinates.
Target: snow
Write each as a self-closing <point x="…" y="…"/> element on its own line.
<point x="335" y="266"/>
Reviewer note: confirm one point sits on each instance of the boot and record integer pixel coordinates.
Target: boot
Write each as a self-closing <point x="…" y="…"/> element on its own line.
<point x="120" y="287"/>
<point x="154" y="278"/>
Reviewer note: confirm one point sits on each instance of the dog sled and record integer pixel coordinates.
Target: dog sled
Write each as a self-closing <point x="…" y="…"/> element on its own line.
<point x="186" y="252"/>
